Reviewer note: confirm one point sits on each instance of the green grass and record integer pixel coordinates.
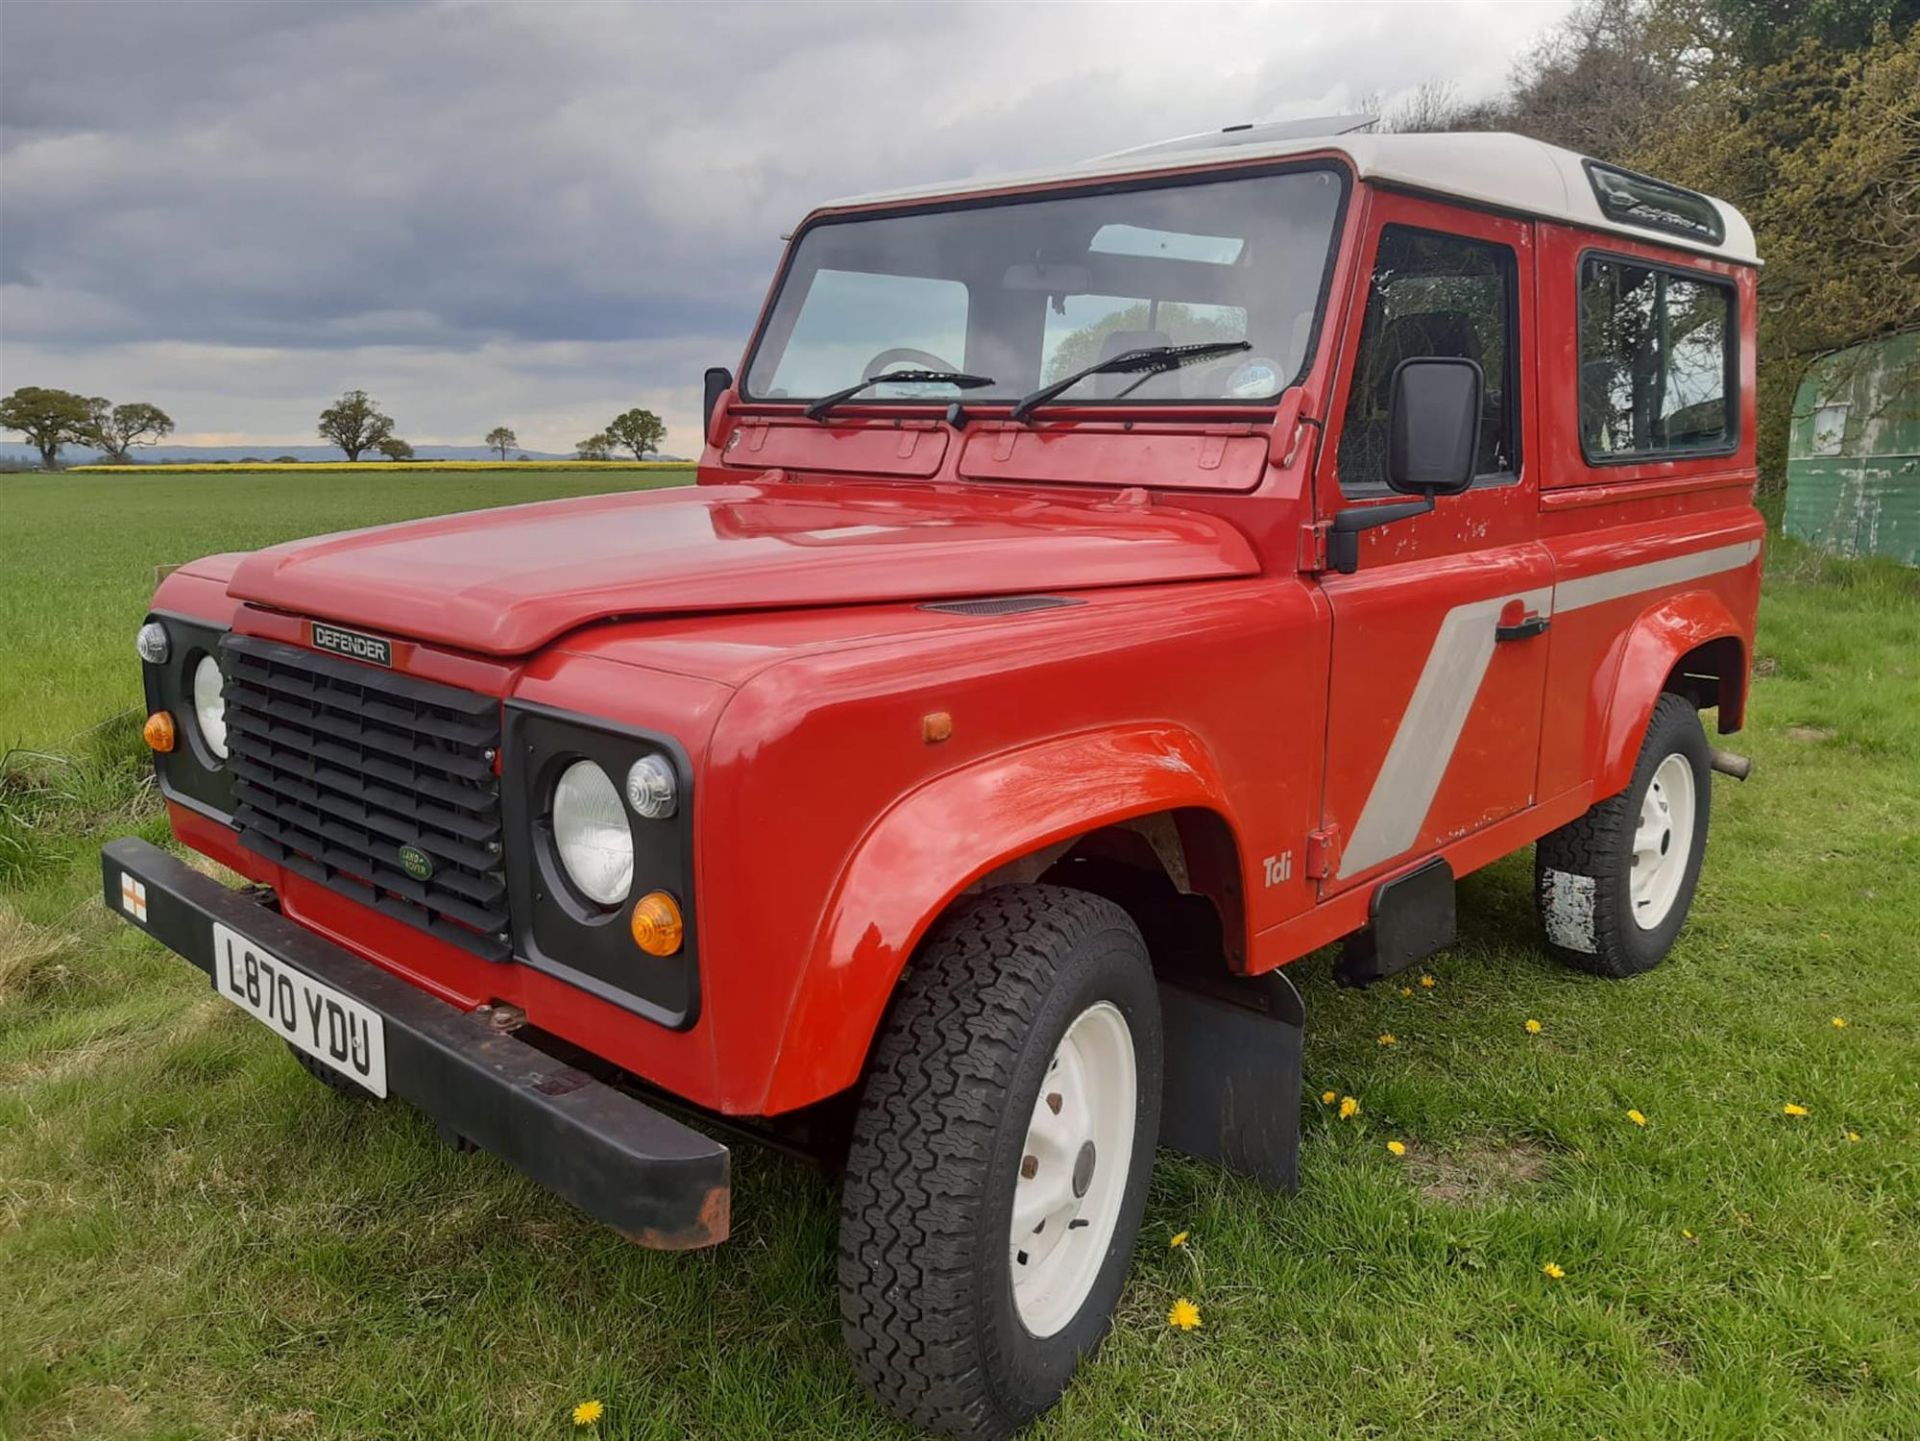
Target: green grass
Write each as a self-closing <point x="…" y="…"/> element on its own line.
<point x="80" y="552"/>
<point x="197" y="1241"/>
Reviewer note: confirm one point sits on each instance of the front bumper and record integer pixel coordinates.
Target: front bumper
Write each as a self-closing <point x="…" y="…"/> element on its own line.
<point x="656" y="1181"/>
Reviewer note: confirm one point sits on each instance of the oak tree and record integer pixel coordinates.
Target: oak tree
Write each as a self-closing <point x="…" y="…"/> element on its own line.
<point x="355" y="424"/>
<point x="638" y="430"/>
<point x="116" y="429"/>
<point x="48" y="419"/>
<point x="502" y="439"/>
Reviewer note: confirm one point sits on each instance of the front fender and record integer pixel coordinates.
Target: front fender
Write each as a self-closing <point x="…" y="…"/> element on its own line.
<point x="938" y="840"/>
<point x="1648" y="651"/>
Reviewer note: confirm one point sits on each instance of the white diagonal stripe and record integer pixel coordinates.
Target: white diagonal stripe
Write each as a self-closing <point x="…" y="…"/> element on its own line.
<point x="1423" y="745"/>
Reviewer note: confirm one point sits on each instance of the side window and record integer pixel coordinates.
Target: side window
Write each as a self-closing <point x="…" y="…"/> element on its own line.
<point x="1433" y="294"/>
<point x="1656" y="361"/>
<point x="851" y="316"/>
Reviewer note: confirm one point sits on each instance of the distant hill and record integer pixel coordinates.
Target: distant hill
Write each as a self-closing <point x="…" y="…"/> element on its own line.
<point x="21" y="455"/>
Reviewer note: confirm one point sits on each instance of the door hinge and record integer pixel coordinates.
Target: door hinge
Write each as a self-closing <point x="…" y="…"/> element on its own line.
<point x="1313" y="546"/>
<point x="1323" y="852"/>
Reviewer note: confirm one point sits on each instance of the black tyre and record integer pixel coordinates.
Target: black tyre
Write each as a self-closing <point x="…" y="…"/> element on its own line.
<point x="1000" y="1159"/>
<point x="329" y="1077"/>
<point x="1614" y="887"/>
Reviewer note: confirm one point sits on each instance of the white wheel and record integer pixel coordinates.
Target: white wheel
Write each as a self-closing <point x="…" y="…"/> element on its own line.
<point x="1073" y="1169"/>
<point x="1662" y="842"/>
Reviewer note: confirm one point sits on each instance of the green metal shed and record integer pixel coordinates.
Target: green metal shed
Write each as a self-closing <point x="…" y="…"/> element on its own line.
<point x="1853" y="456"/>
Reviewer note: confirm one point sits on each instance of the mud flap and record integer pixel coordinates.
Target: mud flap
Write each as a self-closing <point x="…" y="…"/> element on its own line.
<point x="1409" y="918"/>
<point x="1234" y="1052"/>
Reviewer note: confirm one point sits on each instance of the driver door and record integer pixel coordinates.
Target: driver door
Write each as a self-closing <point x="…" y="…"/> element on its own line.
<point x="1439" y="638"/>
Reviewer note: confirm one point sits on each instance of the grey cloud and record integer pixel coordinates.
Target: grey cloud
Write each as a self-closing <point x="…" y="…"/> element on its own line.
<point x="469" y="179"/>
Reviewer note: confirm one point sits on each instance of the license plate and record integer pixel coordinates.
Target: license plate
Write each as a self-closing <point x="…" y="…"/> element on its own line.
<point x="311" y="1016"/>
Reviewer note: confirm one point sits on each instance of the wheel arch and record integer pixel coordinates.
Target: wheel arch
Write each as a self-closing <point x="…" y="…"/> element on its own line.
<point x="1689" y="645"/>
<point x="1147" y="799"/>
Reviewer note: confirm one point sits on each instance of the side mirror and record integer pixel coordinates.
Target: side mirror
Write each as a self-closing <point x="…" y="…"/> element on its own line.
<point x="718" y="380"/>
<point x="1433" y="425"/>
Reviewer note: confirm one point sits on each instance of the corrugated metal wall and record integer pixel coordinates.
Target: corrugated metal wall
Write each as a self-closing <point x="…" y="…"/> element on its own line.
<point x="1853" y="457"/>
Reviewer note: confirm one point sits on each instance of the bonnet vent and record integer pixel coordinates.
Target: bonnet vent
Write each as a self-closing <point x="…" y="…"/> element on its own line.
<point x="1001" y="604"/>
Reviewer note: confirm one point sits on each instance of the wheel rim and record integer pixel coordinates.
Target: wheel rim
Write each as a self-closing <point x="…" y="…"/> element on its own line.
<point x="1662" y="842"/>
<point x="1072" y="1173"/>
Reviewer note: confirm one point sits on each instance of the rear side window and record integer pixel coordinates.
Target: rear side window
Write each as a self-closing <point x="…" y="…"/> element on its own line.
<point x="1433" y="294"/>
<point x="1656" y="361"/>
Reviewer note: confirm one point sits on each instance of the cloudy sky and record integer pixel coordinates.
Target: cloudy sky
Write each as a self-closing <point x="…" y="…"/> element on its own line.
<point x="543" y="213"/>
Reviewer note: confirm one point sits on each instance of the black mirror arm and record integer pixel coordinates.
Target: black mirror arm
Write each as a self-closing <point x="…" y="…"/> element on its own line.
<point x="1343" y="539"/>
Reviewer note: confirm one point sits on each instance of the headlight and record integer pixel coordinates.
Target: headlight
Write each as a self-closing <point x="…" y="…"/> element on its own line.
<point x="651" y="788"/>
<point x="209" y="706"/>
<point x="590" y="832"/>
<point x="151" y="642"/>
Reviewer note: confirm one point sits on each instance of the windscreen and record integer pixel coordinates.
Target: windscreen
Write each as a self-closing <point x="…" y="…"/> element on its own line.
<point x="1026" y="293"/>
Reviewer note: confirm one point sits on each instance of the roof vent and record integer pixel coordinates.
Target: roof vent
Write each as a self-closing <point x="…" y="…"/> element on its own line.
<point x="1001" y="604"/>
<point x="1271" y="133"/>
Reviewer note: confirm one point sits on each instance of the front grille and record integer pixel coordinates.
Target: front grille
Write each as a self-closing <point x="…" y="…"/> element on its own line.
<point x="338" y="767"/>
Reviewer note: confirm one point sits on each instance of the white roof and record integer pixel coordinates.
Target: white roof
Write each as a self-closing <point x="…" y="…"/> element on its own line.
<point x="1510" y="172"/>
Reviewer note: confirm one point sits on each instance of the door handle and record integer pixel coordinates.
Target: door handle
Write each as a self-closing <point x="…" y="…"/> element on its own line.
<point x="1523" y="629"/>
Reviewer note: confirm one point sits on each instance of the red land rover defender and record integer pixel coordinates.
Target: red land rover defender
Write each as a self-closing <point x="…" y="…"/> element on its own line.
<point x="1102" y="588"/>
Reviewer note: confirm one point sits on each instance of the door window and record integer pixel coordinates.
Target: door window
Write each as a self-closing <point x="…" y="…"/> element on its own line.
<point x="1433" y="294"/>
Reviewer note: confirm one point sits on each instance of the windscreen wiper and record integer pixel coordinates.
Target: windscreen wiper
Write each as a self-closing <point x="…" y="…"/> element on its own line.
<point x="820" y="407"/>
<point x="1151" y="360"/>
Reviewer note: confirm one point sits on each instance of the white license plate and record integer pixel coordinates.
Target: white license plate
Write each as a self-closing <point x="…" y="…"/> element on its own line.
<point x="313" y="1017"/>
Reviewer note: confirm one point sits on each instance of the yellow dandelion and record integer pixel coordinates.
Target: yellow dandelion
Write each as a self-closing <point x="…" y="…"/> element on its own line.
<point x="1184" y="1316"/>
<point x="1839" y="1023"/>
<point x="1397" y="1148"/>
<point x="1552" y="1271"/>
<point x="1349" y="1108"/>
<point x="1389" y="1039"/>
<point x="1428" y="983"/>
<point x="1852" y="1136"/>
<point x="1793" y="1109"/>
<point x="1406" y="990"/>
<point x="588" y="1412"/>
<point x="1180" y="1239"/>
<point x="1533" y="1027"/>
<point x="1327" y="1098"/>
<point x="1636" y="1118"/>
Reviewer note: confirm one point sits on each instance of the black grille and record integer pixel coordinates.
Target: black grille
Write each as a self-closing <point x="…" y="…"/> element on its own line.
<point x="338" y="766"/>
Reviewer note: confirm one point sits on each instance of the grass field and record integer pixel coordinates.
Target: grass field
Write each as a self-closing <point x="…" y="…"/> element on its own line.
<point x="198" y="1241"/>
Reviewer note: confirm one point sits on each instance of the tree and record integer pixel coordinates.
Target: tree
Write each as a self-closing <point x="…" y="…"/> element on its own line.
<point x="595" y="447"/>
<point x="355" y="424"/>
<point x="502" y="439"/>
<point x="116" y="429"/>
<point x="48" y="418"/>
<point x="638" y="430"/>
<point x="393" y="448"/>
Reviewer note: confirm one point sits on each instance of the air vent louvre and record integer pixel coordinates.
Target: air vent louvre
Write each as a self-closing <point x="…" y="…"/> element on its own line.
<point x="1001" y="604"/>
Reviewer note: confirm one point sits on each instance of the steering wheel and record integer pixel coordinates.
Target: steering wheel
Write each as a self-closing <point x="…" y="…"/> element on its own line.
<point x="922" y="359"/>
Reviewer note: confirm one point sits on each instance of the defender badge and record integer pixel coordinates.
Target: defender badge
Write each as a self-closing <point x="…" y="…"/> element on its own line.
<point x="416" y="863"/>
<point x="352" y="644"/>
